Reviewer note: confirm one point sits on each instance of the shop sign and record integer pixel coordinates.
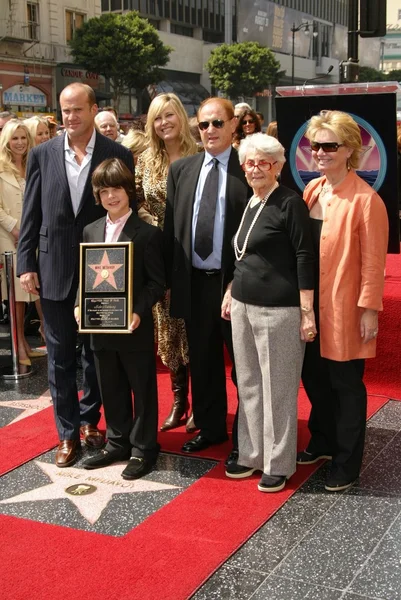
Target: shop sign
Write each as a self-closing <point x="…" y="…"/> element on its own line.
<point x="20" y="95"/>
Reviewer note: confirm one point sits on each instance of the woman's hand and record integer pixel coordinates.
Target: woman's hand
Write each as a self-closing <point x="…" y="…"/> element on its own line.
<point x="369" y="325"/>
<point x="308" y="329"/>
<point x="76" y="314"/>
<point x="136" y="321"/>
<point x="226" y="304"/>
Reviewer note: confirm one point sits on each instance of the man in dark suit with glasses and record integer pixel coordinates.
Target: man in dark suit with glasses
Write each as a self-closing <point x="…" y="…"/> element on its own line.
<point x="206" y="197"/>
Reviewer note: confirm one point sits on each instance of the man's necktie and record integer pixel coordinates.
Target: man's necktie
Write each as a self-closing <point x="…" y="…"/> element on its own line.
<point x="207" y="210"/>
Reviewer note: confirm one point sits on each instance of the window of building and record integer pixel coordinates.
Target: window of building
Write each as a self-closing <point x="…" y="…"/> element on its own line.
<point x="399" y="14"/>
<point x="181" y="30"/>
<point x="73" y="21"/>
<point x="33" y="20"/>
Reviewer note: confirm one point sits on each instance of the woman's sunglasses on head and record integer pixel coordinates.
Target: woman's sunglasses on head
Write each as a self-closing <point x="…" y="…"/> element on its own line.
<point x="325" y="146"/>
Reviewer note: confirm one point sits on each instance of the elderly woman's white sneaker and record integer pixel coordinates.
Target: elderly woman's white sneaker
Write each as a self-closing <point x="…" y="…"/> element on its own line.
<point x="272" y="483"/>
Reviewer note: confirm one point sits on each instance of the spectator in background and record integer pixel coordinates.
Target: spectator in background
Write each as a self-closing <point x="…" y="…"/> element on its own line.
<point x="240" y="107"/>
<point x="247" y="124"/>
<point x="15" y="143"/>
<point x="5" y="116"/>
<point x="272" y="129"/>
<point x="53" y="126"/>
<point x="194" y="129"/>
<point x="261" y="119"/>
<point x="136" y="141"/>
<point x="107" y="124"/>
<point x="39" y="129"/>
<point x="110" y="109"/>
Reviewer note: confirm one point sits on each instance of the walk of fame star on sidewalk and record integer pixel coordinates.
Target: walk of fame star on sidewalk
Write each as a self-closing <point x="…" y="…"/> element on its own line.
<point x="28" y="407"/>
<point x="107" y="481"/>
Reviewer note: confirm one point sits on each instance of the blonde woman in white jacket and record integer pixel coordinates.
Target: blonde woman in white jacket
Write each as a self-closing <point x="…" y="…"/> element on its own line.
<point x="15" y="143"/>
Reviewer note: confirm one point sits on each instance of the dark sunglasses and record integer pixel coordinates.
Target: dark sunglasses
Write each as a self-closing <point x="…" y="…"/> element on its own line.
<point x="250" y="122"/>
<point x="325" y="146"/>
<point x="217" y="123"/>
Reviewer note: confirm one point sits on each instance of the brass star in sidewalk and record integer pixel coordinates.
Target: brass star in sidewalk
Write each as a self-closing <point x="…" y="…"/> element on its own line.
<point x="28" y="407"/>
<point x="107" y="481"/>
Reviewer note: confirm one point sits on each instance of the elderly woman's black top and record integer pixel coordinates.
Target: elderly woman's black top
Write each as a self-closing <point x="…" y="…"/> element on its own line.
<point x="279" y="260"/>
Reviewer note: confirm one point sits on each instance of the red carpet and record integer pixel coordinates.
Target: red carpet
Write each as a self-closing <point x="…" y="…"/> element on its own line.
<point x="176" y="549"/>
<point x="167" y="557"/>
<point x="383" y="374"/>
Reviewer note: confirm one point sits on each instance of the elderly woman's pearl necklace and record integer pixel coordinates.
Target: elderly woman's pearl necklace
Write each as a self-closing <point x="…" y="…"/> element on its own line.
<point x="240" y="252"/>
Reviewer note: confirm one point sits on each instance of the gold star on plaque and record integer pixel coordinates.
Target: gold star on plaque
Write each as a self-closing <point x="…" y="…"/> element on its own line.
<point x="105" y="272"/>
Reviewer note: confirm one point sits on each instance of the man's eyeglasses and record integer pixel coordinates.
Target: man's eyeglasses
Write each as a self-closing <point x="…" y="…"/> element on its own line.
<point x="217" y="123"/>
<point x="325" y="146"/>
<point x="250" y="122"/>
<point x="262" y="165"/>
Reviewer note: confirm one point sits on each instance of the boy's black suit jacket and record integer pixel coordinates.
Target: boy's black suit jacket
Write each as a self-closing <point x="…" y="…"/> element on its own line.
<point x="149" y="282"/>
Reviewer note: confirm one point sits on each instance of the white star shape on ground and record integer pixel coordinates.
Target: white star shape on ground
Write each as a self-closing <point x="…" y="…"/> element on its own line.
<point x="29" y="407"/>
<point x="107" y="480"/>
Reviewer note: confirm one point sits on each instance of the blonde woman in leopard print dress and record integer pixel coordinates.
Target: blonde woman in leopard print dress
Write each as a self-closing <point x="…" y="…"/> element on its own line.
<point x="169" y="139"/>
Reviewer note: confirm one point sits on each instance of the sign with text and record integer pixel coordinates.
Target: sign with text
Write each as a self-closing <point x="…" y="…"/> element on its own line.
<point x="105" y="291"/>
<point x="24" y="95"/>
<point x="270" y="25"/>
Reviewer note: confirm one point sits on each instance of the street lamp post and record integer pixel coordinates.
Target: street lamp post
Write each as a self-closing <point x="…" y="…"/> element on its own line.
<point x="294" y="30"/>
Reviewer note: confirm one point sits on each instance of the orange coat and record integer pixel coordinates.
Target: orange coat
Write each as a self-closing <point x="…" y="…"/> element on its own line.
<point x="353" y="247"/>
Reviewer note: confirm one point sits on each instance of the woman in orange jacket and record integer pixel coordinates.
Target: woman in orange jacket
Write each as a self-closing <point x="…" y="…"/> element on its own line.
<point x="350" y="229"/>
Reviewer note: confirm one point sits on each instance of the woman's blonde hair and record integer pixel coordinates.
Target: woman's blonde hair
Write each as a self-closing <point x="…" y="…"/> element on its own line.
<point x="158" y="153"/>
<point x="6" y="157"/>
<point x="33" y="123"/>
<point x="136" y="141"/>
<point x="343" y="126"/>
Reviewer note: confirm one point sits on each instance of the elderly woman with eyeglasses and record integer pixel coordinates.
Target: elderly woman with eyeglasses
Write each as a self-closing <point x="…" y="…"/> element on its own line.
<point x="350" y="233"/>
<point x="270" y="304"/>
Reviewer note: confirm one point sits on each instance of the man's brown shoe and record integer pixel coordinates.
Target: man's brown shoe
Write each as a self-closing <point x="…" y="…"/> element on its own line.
<point x="67" y="452"/>
<point x="91" y="436"/>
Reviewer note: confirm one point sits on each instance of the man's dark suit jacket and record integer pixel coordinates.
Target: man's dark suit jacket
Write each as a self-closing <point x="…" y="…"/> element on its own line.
<point x="49" y="224"/>
<point x="181" y="186"/>
<point x="149" y="282"/>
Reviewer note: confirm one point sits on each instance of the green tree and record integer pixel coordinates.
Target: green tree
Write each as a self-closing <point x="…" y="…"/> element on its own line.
<point x="394" y="75"/>
<point x="370" y="74"/>
<point x="126" y="49"/>
<point x="242" y="69"/>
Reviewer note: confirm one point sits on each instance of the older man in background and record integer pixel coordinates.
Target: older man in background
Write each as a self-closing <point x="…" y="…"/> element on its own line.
<point x="107" y="124"/>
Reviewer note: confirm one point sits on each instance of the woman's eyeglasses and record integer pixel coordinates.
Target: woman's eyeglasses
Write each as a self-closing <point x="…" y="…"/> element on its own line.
<point x="263" y="165"/>
<point x="325" y="146"/>
<point x="250" y="122"/>
<point x="217" y="123"/>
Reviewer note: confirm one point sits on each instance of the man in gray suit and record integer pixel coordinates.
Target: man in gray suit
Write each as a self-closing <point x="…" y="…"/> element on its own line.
<point x="58" y="204"/>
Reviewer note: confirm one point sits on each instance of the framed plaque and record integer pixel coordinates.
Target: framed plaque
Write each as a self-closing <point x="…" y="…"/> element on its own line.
<point x="106" y="287"/>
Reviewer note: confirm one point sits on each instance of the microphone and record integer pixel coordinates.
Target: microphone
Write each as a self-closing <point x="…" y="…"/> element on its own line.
<point x="329" y="70"/>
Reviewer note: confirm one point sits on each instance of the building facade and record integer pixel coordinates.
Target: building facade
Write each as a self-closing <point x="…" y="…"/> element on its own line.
<point x="35" y="63"/>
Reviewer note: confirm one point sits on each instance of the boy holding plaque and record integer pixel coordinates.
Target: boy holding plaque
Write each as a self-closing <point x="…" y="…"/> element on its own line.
<point x="125" y="362"/>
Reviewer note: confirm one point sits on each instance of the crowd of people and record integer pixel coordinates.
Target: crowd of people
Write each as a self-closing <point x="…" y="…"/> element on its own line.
<point x="226" y="259"/>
